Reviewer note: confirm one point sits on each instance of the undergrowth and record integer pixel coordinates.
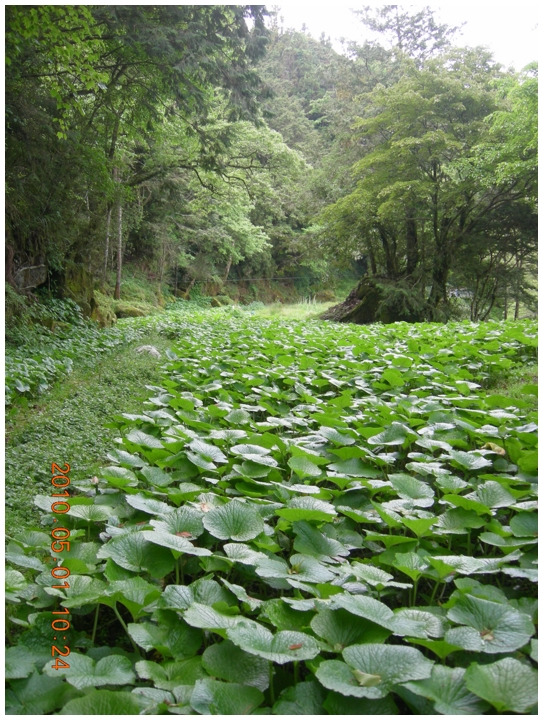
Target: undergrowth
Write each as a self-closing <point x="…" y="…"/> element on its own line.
<point x="302" y="518"/>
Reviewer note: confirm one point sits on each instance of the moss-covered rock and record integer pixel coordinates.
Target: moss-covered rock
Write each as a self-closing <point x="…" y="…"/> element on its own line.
<point x="124" y="310"/>
<point x="77" y="284"/>
<point x="221" y="301"/>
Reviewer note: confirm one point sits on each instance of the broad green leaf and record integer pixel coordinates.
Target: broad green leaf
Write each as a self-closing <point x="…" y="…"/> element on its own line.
<point x="305" y="698"/>
<point x="119" y="476"/>
<point x="354" y="467"/>
<point x="390" y="663"/>
<point x="20" y="662"/>
<point x="228" y="662"/>
<point x="84" y="672"/>
<point x="91" y="513"/>
<point x="408" y="487"/>
<point x="528" y="463"/>
<point x="501" y="628"/>
<point x="36" y="695"/>
<point x="304" y="467"/>
<point x="468" y="460"/>
<point x="446" y="687"/>
<point x="208" y="618"/>
<point x="174" y="639"/>
<point x="138" y="437"/>
<point x="524" y="525"/>
<point x="307" y="508"/>
<point x="507" y="684"/>
<point x="336" y="704"/>
<point x="170" y="674"/>
<point x="311" y="541"/>
<point x="285" y="646"/>
<point x="157" y="477"/>
<point x="134" y="552"/>
<point x="238" y="417"/>
<point x="211" y="697"/>
<point x="174" y="542"/>
<point x="235" y="520"/>
<point x="102" y="702"/>
<point x="339" y="628"/>
<point x="394" y="434"/>
<point x="494" y="495"/>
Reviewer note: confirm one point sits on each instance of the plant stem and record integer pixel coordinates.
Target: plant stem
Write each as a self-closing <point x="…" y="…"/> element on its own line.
<point x="119" y="618"/>
<point x="434" y="591"/>
<point x="296" y="672"/>
<point x="95" y="626"/>
<point x="177" y="572"/>
<point x="9" y="636"/>
<point x="272" y="694"/>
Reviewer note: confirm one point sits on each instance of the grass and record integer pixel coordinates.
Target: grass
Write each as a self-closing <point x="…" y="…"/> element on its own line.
<point x="305" y="310"/>
<point x="67" y="425"/>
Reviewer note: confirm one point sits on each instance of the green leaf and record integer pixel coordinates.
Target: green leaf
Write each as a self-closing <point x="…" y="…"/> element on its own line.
<point x="339" y="628"/>
<point x="305" y="698"/>
<point x="311" y="541"/>
<point x="446" y="687"/>
<point x="133" y="552"/>
<point x="528" y="463"/>
<point x="209" y="618"/>
<point x="119" y="476"/>
<point x="228" y="662"/>
<point x="468" y="460"/>
<point x="174" y="638"/>
<point x="336" y="704"/>
<point x="390" y="663"/>
<point x="304" y="467"/>
<point x="235" y="520"/>
<point x="285" y="646"/>
<point x="102" y="702"/>
<point x="91" y="513"/>
<point x="524" y="525"/>
<point x="500" y="627"/>
<point x="36" y="695"/>
<point x="507" y="684"/>
<point x="19" y="663"/>
<point x="157" y="477"/>
<point x="394" y="434"/>
<point x="354" y="467"/>
<point x="138" y="437"/>
<point x="170" y="674"/>
<point x="410" y="488"/>
<point x="494" y="495"/>
<point x="307" y="508"/>
<point x="179" y="544"/>
<point x="84" y="672"/>
<point x="238" y="417"/>
<point x="211" y="697"/>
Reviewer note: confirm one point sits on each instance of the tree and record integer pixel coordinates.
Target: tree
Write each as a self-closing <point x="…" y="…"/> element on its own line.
<point x="418" y="201"/>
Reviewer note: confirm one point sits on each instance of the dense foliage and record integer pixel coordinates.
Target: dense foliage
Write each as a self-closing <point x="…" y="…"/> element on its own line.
<point x="301" y="519"/>
<point x="207" y="143"/>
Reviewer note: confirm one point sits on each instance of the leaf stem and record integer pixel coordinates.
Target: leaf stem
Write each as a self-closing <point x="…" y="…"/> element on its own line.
<point x="119" y="618"/>
<point x="296" y="674"/>
<point x="272" y="694"/>
<point x="95" y="626"/>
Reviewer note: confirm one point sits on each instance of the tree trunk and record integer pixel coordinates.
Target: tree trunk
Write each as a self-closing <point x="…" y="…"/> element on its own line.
<point x="412" y="250"/>
<point x="117" y="294"/>
<point x="517" y="291"/>
<point x="106" y="251"/>
<point x="227" y="271"/>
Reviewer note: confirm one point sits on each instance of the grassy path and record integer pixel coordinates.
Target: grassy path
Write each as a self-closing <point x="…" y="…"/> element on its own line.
<point x="67" y="425"/>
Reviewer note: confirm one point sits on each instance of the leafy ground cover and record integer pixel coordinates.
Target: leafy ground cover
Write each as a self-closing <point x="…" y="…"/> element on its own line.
<point x="301" y="519"/>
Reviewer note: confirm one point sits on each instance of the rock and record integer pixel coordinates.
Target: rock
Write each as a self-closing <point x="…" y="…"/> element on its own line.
<point x="151" y="349"/>
<point x="124" y="310"/>
<point x="30" y="276"/>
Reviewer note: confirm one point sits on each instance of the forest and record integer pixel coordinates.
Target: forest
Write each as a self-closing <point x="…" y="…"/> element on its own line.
<point x="208" y="147"/>
<point x="271" y="366"/>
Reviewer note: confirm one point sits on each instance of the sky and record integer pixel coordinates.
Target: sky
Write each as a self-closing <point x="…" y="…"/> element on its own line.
<point x="509" y="29"/>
